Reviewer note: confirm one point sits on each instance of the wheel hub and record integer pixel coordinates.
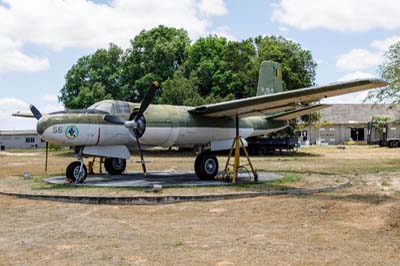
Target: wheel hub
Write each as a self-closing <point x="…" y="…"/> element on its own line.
<point x="210" y="166"/>
<point x="79" y="174"/>
<point x="117" y="164"/>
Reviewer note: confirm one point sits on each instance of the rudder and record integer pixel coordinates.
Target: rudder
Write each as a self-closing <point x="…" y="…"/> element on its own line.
<point x="270" y="78"/>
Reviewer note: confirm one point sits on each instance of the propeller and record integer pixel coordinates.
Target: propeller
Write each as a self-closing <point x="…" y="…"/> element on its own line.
<point x="35" y="112"/>
<point x="137" y="125"/>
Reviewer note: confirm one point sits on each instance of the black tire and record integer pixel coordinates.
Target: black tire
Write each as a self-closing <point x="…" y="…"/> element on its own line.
<point x="263" y="150"/>
<point x="115" y="166"/>
<point x="393" y="144"/>
<point x="72" y="172"/>
<point x="206" y="166"/>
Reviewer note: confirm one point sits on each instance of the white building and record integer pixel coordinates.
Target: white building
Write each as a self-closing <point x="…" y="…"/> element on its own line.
<point x="20" y="139"/>
<point x="341" y="123"/>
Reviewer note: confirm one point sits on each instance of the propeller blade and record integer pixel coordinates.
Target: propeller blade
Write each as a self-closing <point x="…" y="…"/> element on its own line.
<point x="114" y="119"/>
<point x="47" y="157"/>
<point x="148" y="98"/>
<point x="35" y="112"/>
<point x="141" y="155"/>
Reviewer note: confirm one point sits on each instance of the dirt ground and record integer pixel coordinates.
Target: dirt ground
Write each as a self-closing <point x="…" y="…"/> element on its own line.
<point x="359" y="225"/>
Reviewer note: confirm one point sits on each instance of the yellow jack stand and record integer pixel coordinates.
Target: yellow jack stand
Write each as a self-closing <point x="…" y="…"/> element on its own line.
<point x="237" y="142"/>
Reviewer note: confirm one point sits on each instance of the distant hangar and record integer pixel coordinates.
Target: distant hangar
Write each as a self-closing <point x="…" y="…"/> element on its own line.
<point x="342" y="123"/>
<point x="20" y="139"/>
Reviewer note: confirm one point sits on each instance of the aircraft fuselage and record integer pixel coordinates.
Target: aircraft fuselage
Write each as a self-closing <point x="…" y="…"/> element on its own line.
<point x="166" y="126"/>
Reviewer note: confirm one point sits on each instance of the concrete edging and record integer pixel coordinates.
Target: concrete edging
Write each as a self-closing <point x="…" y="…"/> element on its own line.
<point x="157" y="200"/>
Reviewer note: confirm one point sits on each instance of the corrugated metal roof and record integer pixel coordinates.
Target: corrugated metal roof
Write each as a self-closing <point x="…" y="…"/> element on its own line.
<point x="357" y="113"/>
<point x="17" y="132"/>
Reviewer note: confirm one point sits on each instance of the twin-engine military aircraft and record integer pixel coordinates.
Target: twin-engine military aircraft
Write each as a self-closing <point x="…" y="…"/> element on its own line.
<point x="111" y="129"/>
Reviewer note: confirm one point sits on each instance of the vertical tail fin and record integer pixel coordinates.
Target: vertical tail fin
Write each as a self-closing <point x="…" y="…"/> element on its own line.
<point x="270" y="78"/>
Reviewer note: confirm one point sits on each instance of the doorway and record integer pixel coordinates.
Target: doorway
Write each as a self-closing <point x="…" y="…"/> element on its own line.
<point x="357" y="134"/>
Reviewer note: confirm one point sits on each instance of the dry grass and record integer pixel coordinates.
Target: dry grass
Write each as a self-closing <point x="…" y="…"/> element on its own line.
<point x="356" y="226"/>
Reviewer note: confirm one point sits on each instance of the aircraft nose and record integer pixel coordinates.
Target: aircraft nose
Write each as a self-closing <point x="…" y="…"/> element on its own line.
<point x="41" y="125"/>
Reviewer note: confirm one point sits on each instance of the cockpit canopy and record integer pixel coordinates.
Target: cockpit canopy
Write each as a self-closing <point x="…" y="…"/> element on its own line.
<point x="112" y="107"/>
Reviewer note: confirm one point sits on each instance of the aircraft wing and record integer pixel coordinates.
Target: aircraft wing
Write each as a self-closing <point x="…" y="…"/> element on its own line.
<point x="298" y="112"/>
<point x="26" y="115"/>
<point x="284" y="101"/>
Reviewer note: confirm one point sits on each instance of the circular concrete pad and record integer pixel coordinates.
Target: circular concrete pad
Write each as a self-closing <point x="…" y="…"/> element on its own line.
<point x="163" y="178"/>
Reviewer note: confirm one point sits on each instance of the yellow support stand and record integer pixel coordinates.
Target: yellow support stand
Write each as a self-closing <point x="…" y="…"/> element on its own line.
<point x="237" y="142"/>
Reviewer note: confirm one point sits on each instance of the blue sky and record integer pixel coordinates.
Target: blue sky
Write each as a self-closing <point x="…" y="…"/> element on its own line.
<point x="41" y="40"/>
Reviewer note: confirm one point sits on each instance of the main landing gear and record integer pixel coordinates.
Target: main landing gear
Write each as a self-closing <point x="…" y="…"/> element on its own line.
<point x="206" y="166"/>
<point x="115" y="166"/>
<point x="77" y="172"/>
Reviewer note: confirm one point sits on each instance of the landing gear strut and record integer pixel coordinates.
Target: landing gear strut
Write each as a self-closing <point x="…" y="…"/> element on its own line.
<point x="77" y="171"/>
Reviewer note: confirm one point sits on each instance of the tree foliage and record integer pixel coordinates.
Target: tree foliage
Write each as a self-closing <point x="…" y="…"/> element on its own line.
<point x="379" y="121"/>
<point x="389" y="71"/>
<point x="209" y="70"/>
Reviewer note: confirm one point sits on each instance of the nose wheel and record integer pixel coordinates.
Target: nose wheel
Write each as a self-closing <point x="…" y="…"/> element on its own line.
<point x="76" y="172"/>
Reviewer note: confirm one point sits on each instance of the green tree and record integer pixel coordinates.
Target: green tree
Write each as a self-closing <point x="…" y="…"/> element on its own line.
<point x="204" y="62"/>
<point x="389" y="70"/>
<point x="379" y="121"/>
<point x="154" y="55"/>
<point x="240" y="75"/>
<point x="179" y="91"/>
<point x="298" y="66"/>
<point x="210" y="70"/>
<point x="93" y="78"/>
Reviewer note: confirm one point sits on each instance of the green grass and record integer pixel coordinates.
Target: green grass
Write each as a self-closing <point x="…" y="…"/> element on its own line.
<point x="286" y="179"/>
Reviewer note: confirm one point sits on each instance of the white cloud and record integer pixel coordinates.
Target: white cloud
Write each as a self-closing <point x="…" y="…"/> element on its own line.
<point x="357" y="75"/>
<point x="283" y="29"/>
<point x="384" y="45"/>
<point x="356" y="97"/>
<point x="82" y="23"/>
<point x="58" y="24"/>
<point x="9" y="106"/>
<point x="338" y="15"/>
<point x="48" y="108"/>
<point x="213" y="7"/>
<point x="13" y="60"/>
<point x="224" y="32"/>
<point x="358" y="59"/>
<point x="50" y="98"/>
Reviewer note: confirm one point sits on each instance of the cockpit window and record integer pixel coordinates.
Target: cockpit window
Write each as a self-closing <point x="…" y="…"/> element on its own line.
<point x="112" y="107"/>
<point x="102" y="106"/>
<point x="121" y="107"/>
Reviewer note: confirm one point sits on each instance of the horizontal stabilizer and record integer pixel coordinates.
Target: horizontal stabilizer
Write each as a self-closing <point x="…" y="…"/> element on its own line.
<point x="297" y="113"/>
<point x="26" y="115"/>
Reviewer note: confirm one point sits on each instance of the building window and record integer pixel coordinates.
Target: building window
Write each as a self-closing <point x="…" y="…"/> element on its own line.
<point x="30" y="140"/>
